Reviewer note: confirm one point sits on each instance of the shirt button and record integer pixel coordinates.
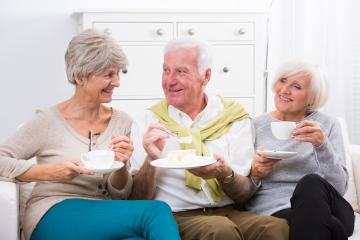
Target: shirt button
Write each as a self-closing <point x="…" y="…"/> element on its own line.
<point x="100" y="187"/>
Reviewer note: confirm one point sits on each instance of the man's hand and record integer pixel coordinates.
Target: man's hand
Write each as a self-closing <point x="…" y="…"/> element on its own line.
<point x="220" y="169"/>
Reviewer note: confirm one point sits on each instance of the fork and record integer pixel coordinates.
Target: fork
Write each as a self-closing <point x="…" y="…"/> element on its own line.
<point x="185" y="139"/>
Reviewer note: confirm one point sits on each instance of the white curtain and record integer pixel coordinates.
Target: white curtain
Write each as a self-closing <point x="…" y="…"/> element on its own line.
<point x="324" y="32"/>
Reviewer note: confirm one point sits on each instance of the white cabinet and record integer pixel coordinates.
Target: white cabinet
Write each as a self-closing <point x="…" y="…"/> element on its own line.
<point x="238" y="41"/>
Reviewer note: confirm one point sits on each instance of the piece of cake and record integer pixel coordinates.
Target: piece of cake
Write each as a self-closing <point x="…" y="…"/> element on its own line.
<point x="182" y="155"/>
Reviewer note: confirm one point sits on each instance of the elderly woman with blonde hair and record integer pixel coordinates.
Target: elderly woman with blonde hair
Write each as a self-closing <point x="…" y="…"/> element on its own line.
<point x="306" y="188"/>
<point x="70" y="201"/>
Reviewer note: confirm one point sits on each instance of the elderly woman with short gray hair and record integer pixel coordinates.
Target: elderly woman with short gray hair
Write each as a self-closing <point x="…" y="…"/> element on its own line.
<point x="71" y="201"/>
<point x="306" y="188"/>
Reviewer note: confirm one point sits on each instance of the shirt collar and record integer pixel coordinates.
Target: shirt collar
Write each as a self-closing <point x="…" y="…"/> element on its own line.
<point x="212" y="108"/>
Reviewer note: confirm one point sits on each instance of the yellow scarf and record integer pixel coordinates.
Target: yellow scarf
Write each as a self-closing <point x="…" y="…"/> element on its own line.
<point x="217" y="127"/>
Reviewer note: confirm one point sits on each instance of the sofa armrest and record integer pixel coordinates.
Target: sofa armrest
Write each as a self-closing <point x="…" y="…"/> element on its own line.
<point x="355" y="159"/>
<point x="9" y="208"/>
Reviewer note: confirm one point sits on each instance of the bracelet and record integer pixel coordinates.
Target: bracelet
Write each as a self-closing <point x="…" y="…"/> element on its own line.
<point x="253" y="182"/>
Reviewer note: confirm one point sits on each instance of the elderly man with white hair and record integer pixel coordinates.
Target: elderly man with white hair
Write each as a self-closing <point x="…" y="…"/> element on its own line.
<point x="202" y="199"/>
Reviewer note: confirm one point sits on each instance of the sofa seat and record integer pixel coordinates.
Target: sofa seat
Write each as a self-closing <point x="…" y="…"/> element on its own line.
<point x="356" y="234"/>
<point x="13" y="196"/>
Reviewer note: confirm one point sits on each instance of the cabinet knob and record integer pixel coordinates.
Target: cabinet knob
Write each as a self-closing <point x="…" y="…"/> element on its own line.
<point x="225" y="69"/>
<point x="108" y="30"/>
<point x="241" y="31"/>
<point x="191" y="31"/>
<point x="160" y="32"/>
<point x="124" y="71"/>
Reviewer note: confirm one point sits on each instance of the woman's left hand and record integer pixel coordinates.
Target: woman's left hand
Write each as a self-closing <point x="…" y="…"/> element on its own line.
<point x="309" y="131"/>
<point x="123" y="148"/>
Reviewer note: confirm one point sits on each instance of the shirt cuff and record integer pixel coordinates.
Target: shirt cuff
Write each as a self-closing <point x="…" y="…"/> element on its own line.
<point x="123" y="193"/>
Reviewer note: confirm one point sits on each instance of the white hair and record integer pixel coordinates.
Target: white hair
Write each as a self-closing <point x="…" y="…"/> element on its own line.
<point x="92" y="52"/>
<point x="204" y="57"/>
<point x="318" y="82"/>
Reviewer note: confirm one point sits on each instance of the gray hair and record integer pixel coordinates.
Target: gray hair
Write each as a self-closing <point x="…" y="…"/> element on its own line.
<point x="92" y="52"/>
<point x="204" y="59"/>
<point x="318" y="82"/>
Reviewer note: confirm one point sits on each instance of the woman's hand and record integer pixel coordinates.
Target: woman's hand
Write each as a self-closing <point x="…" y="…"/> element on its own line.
<point x="59" y="171"/>
<point x="154" y="140"/>
<point x="261" y="166"/>
<point x="123" y="148"/>
<point x="67" y="170"/>
<point x="309" y="131"/>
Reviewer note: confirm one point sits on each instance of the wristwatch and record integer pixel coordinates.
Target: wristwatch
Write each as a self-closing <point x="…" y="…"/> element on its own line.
<point x="229" y="179"/>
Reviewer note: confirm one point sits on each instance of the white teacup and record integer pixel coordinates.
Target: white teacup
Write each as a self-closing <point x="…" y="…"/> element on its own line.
<point x="282" y="129"/>
<point x="100" y="159"/>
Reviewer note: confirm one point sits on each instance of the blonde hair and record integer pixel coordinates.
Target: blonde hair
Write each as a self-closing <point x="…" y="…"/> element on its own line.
<point x="92" y="52"/>
<point x="318" y="82"/>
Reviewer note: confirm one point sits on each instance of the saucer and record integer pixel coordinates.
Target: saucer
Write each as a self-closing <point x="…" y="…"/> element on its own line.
<point x="115" y="166"/>
<point x="274" y="154"/>
<point x="198" y="161"/>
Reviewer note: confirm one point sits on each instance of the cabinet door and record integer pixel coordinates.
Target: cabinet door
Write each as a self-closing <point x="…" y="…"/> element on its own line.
<point x="144" y="72"/>
<point x="138" y="31"/>
<point x="233" y="70"/>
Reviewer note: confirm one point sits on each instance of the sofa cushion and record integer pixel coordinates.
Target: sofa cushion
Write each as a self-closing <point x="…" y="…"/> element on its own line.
<point x="355" y="157"/>
<point x="25" y="190"/>
<point x="356" y="234"/>
<point x="350" y="194"/>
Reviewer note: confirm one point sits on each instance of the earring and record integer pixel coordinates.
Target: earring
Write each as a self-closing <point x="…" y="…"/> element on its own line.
<point x="309" y="108"/>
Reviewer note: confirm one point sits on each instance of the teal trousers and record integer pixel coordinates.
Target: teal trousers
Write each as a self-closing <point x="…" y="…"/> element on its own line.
<point x="107" y="219"/>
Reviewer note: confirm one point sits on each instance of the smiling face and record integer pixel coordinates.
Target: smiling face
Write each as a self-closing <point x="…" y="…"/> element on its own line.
<point x="292" y="96"/>
<point x="182" y="84"/>
<point x="99" y="87"/>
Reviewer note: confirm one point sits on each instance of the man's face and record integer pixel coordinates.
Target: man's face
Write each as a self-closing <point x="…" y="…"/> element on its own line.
<point x="182" y="84"/>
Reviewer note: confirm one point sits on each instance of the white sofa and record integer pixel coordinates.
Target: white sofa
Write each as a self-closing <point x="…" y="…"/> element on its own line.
<point x="13" y="195"/>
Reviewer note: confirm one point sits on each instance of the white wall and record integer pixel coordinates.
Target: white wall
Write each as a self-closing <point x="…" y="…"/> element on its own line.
<point x="34" y="36"/>
<point x="33" y="39"/>
<point x="323" y="32"/>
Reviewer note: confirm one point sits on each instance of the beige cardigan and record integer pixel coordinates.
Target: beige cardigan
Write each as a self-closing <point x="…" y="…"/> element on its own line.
<point x="50" y="138"/>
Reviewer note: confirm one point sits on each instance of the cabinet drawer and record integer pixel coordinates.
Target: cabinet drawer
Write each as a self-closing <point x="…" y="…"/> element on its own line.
<point x="218" y="31"/>
<point x="233" y="70"/>
<point x="138" y="31"/>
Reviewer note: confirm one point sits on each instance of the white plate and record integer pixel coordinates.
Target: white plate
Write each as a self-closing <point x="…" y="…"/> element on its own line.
<point x="277" y="154"/>
<point x="116" y="166"/>
<point x="199" y="161"/>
